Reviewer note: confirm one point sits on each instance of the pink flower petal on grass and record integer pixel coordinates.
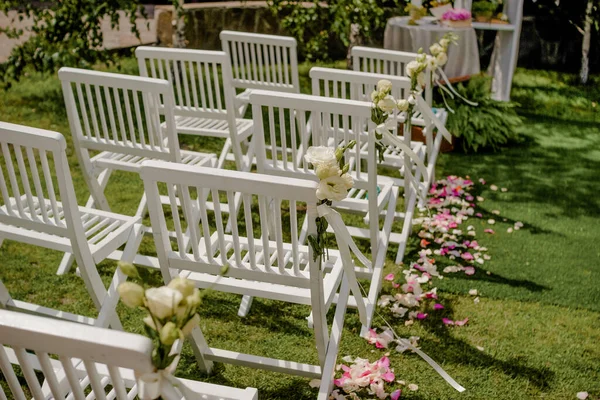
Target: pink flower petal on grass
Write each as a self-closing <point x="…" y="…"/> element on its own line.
<point x="395" y="395"/>
<point x="447" y="321"/>
<point x="421" y="316"/>
<point x="469" y="270"/>
<point x="438" y="306"/>
<point x="462" y="322"/>
<point x="479" y="215"/>
<point x="467" y="256"/>
<point x="491" y="231"/>
<point x="389" y="277"/>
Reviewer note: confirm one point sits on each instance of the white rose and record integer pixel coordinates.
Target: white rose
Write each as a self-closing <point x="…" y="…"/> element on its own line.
<point x="317" y="155"/>
<point x="387" y="104"/>
<point x="169" y="334"/>
<point x="324" y="171"/>
<point x="411" y="67"/>
<point x="335" y="187"/>
<point x="412" y="100"/>
<point x="444" y="43"/>
<point x="375" y="96"/>
<point x="421" y="58"/>
<point x="436" y="49"/>
<point x="184" y="286"/>
<point x="442" y="59"/>
<point x="162" y="301"/>
<point x="402" y="105"/>
<point x="384" y="86"/>
<point x="432" y="63"/>
<point x="132" y="294"/>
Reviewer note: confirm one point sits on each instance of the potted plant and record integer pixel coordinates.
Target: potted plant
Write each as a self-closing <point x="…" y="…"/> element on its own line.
<point x="484" y="10"/>
<point x="457" y="18"/>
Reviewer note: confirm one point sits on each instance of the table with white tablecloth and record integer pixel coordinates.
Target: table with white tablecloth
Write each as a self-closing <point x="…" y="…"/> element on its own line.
<point x="463" y="59"/>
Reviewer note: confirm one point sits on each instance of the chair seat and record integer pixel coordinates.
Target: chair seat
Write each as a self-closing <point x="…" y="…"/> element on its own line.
<point x="104" y="231"/>
<point x="212" y="127"/>
<point x="132" y="163"/>
<point x="289" y="286"/>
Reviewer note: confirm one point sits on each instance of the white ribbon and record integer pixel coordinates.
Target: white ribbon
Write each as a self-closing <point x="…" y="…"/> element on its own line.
<point x="152" y="384"/>
<point x="451" y="88"/>
<point x="345" y="244"/>
<point x="428" y="112"/>
<point x="433" y="364"/>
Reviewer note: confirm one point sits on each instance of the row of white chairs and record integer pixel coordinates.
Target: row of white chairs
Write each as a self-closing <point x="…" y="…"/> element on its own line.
<point x="131" y="123"/>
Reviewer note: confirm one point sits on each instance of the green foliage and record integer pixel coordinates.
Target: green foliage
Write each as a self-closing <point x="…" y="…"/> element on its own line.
<point x="319" y="27"/>
<point x="64" y="33"/>
<point x="489" y="125"/>
<point x="484" y="6"/>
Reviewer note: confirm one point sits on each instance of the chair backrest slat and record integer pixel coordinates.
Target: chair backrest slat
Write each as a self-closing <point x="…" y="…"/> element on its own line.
<point x="30" y="198"/>
<point x="93" y="98"/>
<point x="355" y="85"/>
<point x="387" y="62"/>
<point x="262" y="61"/>
<point x="247" y="253"/>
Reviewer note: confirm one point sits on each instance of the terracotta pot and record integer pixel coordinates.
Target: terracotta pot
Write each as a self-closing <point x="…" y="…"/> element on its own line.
<point x="417" y="136"/>
<point x="484" y="16"/>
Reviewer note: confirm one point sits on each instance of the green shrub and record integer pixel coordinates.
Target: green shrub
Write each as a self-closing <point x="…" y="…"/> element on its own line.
<point x="488" y="125"/>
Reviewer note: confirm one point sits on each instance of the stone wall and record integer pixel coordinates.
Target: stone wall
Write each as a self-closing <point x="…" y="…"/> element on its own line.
<point x="204" y="22"/>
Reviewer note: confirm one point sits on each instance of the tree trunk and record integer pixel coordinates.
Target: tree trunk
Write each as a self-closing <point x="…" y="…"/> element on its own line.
<point x="178" y="24"/>
<point x="585" y="48"/>
<point x="355" y="40"/>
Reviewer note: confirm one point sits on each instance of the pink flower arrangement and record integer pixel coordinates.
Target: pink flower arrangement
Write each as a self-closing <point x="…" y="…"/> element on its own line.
<point x="457" y="14"/>
<point x="365" y="376"/>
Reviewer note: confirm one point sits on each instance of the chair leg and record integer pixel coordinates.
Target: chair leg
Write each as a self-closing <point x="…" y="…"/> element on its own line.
<point x="328" y="370"/>
<point x="245" y="306"/>
<point x="67" y="261"/>
<point x="108" y="312"/>
<point x="200" y="347"/>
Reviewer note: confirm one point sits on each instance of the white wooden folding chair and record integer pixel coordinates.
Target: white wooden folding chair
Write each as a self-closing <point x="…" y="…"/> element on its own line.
<point x="355" y="85"/>
<point x="204" y="97"/>
<point x="39" y="208"/>
<point x="264" y="259"/>
<point x="268" y="62"/>
<point x="124" y="120"/>
<point x="387" y="62"/>
<point x="283" y="119"/>
<point x="80" y="362"/>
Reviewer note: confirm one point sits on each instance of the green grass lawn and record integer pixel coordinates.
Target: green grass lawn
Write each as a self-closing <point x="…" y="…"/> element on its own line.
<point x="536" y="331"/>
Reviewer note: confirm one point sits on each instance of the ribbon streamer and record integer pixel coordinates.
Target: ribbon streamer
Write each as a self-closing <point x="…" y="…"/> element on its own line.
<point x="428" y="112"/>
<point x="345" y="244"/>
<point x="155" y="384"/>
<point x="449" y="85"/>
<point x="433" y="364"/>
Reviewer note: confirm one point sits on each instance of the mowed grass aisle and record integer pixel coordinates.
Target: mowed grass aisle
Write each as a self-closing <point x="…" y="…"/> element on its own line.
<point x="534" y="334"/>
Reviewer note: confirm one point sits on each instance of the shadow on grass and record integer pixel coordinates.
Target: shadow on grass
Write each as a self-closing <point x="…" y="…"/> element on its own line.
<point x="450" y="349"/>
<point x="558" y="171"/>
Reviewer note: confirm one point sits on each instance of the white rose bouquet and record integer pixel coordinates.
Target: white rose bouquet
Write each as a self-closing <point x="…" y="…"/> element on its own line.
<point x="172" y="311"/>
<point x="334" y="184"/>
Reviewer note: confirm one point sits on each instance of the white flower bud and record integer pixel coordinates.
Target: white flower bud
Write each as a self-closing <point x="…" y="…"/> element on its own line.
<point x="132" y="294"/>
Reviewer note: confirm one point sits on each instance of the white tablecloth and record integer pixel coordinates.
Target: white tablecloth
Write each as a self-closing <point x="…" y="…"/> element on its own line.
<point x="463" y="59"/>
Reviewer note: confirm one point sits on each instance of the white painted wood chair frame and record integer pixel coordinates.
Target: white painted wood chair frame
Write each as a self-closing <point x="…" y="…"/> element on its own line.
<point x="387" y="62"/>
<point x="204" y="97"/>
<point x="37" y="211"/>
<point x="267" y="266"/>
<point x="333" y="122"/>
<point x="259" y="61"/>
<point x="125" y="120"/>
<point x="81" y="362"/>
<point x="355" y="85"/>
